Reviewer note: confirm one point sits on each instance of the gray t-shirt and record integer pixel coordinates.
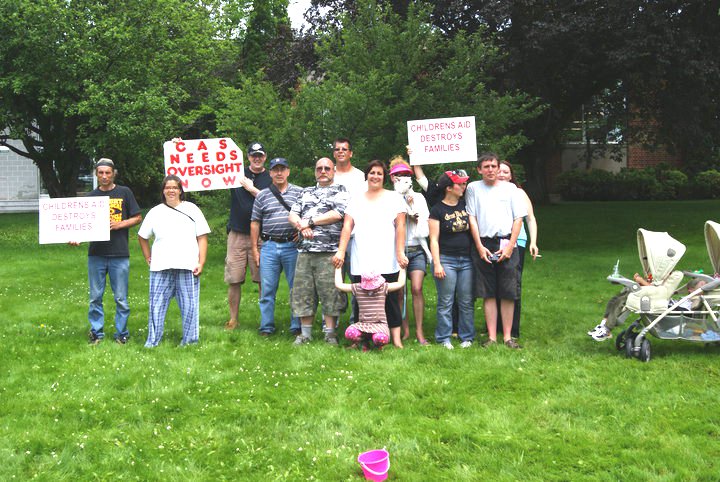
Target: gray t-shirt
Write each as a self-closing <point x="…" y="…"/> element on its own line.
<point x="495" y="207"/>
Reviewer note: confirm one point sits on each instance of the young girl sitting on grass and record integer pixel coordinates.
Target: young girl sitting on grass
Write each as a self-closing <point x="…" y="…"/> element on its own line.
<point x="370" y="294"/>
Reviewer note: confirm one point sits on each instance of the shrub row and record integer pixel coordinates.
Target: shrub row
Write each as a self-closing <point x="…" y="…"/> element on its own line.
<point x="659" y="183"/>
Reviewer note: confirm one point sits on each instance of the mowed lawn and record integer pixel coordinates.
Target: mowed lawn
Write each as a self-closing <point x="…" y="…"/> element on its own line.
<point x="241" y="407"/>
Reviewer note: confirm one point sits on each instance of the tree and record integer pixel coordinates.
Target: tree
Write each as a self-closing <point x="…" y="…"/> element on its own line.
<point x="89" y="78"/>
<point x="654" y="60"/>
<point x="381" y="70"/>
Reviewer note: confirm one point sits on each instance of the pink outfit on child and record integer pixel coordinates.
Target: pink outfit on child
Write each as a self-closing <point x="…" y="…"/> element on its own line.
<point x="372" y="311"/>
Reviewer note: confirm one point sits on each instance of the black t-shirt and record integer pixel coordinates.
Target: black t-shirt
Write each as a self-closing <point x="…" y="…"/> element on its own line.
<point x="122" y="206"/>
<point x="241" y="201"/>
<point x="455" y="239"/>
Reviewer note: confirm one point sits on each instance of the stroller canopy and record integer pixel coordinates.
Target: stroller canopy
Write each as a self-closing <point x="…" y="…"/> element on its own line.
<point x="712" y="241"/>
<point x="659" y="253"/>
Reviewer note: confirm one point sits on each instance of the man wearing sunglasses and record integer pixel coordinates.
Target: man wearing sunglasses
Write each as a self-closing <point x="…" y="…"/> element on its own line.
<point x="345" y="173"/>
<point x="318" y="217"/>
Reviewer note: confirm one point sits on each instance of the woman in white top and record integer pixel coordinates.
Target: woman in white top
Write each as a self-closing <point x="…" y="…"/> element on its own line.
<point x="527" y="239"/>
<point x="376" y="220"/>
<point x="176" y="261"/>
<point x="416" y="246"/>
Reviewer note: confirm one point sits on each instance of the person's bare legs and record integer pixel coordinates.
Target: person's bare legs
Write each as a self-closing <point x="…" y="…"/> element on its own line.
<point x="418" y="303"/>
<point x="234" y="290"/>
<point x="490" y="308"/>
<point x="507" y="309"/>
<point x="330" y="321"/>
<point x="395" y="335"/>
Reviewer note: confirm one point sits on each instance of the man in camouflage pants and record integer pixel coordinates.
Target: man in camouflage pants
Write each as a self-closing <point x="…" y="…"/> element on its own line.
<point x="318" y="216"/>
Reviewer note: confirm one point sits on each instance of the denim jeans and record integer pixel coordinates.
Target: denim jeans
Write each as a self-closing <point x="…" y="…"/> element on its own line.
<point x="275" y="258"/>
<point x="99" y="269"/>
<point x="458" y="285"/>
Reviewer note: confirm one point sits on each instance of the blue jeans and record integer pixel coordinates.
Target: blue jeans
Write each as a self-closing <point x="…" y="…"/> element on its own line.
<point x="99" y="268"/>
<point x="275" y="258"/>
<point x="458" y="285"/>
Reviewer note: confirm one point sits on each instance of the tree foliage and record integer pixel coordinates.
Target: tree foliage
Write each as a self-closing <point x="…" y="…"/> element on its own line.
<point x="655" y="64"/>
<point x="380" y="70"/>
<point x="89" y="78"/>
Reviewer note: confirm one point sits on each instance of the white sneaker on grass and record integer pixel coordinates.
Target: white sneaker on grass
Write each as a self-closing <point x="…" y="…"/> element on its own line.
<point x="301" y="340"/>
<point x="448" y="345"/>
<point x="602" y="334"/>
<point x="597" y="328"/>
<point x="466" y="344"/>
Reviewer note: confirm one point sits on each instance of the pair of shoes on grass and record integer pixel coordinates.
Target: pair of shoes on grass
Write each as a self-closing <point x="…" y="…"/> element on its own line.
<point x="511" y="343"/>
<point x="330" y="339"/>
<point x="600" y="332"/>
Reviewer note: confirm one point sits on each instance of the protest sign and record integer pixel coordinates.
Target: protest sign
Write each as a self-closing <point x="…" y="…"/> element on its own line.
<point x="440" y="141"/>
<point x="62" y="220"/>
<point x="204" y="164"/>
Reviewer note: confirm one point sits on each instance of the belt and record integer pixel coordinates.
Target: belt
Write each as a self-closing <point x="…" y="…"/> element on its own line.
<point x="412" y="249"/>
<point x="277" y="239"/>
<point x="495" y="237"/>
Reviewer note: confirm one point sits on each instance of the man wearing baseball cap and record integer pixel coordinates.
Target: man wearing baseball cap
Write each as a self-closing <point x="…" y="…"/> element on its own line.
<point x="111" y="259"/>
<point x="278" y="253"/>
<point x="239" y="246"/>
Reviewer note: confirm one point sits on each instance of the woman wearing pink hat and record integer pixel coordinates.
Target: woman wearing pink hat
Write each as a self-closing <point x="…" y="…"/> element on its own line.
<point x="450" y="244"/>
<point x="370" y="293"/>
<point x="416" y="246"/>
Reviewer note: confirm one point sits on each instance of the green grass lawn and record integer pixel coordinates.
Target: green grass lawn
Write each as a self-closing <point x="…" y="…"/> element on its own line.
<point x="241" y="407"/>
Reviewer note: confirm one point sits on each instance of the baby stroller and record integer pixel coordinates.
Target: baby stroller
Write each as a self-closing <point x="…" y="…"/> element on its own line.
<point x="692" y="318"/>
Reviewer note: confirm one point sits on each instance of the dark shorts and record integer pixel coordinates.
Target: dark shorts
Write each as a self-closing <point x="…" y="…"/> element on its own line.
<point x="496" y="280"/>
<point x="417" y="261"/>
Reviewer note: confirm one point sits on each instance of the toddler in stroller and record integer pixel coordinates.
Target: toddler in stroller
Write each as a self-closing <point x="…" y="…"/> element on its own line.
<point x="659" y="254"/>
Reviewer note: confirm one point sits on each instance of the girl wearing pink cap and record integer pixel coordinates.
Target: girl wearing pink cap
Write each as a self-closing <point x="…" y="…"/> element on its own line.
<point x="370" y="294"/>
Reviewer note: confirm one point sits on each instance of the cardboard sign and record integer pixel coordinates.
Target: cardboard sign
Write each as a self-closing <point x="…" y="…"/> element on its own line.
<point x="439" y="141"/>
<point x="204" y="164"/>
<point x="62" y="220"/>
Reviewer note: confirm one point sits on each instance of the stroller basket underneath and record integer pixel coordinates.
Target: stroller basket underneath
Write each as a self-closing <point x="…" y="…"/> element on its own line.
<point x="690" y="325"/>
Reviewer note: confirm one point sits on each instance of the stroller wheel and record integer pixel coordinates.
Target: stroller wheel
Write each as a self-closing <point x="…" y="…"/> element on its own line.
<point x="629" y="339"/>
<point x="620" y="340"/>
<point x="645" y="350"/>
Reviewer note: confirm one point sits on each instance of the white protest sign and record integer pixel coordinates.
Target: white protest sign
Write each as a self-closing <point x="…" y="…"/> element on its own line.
<point x="440" y="141"/>
<point x="62" y="220"/>
<point x="204" y="164"/>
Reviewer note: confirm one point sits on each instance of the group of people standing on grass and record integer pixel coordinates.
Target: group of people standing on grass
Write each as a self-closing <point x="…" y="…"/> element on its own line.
<point x="347" y="224"/>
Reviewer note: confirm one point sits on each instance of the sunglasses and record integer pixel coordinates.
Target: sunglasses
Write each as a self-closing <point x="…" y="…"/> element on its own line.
<point x="323" y="168"/>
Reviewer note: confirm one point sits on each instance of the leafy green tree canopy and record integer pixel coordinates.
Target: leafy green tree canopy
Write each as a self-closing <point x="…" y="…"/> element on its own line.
<point x="88" y="78"/>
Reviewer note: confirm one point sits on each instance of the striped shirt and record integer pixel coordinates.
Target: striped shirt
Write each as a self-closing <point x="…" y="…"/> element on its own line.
<point x="272" y="215"/>
<point x="372" y="309"/>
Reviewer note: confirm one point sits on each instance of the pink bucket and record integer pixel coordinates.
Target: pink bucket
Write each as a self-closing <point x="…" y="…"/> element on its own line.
<point x="375" y="464"/>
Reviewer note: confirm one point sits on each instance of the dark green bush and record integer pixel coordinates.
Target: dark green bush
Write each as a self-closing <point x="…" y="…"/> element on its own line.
<point x="707" y="185"/>
<point x="627" y="185"/>
<point x="593" y="185"/>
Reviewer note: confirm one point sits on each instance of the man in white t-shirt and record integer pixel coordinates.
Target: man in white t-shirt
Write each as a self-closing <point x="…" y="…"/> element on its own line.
<point x="345" y="173"/>
<point x="354" y="181"/>
<point x="496" y="212"/>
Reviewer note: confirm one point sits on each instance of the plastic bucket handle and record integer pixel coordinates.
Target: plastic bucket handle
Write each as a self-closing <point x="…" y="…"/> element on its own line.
<point x="376" y="473"/>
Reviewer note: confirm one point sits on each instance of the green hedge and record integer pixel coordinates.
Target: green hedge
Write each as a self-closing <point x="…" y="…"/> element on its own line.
<point x="659" y="183"/>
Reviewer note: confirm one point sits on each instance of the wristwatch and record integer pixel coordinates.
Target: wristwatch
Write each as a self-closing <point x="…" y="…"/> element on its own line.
<point x="311" y="223"/>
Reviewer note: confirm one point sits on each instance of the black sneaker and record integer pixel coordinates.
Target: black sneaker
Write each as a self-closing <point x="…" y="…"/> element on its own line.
<point x="93" y="339"/>
<point x="121" y="340"/>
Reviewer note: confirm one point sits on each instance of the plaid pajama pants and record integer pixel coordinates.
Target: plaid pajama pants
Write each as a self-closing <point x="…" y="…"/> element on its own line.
<point x="185" y="287"/>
